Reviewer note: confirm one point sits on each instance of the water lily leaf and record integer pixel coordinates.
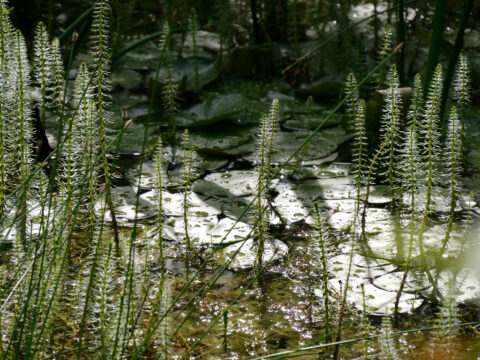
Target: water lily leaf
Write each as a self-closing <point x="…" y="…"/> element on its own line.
<point x="132" y="138"/>
<point x="466" y="285"/>
<point x="227" y="230"/>
<point x="291" y="207"/>
<point x="322" y="145"/>
<point x="206" y="113"/>
<point x="227" y="184"/>
<point x="124" y="201"/>
<point x="233" y="207"/>
<point x="172" y="204"/>
<point x="183" y="71"/>
<point x="127" y="79"/>
<point x="302" y="122"/>
<point x="198" y="228"/>
<point x="362" y="271"/>
<point x="322" y="89"/>
<point x="247" y="256"/>
<point x="208" y="44"/>
<point x="221" y="138"/>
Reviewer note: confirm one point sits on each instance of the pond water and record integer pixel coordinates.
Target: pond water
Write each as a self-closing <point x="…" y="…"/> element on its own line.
<point x="187" y="280"/>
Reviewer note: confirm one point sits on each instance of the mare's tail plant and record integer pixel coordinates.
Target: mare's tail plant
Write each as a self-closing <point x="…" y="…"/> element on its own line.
<point x="360" y="153"/>
<point x="322" y="237"/>
<point x="187" y="173"/>
<point x="448" y="318"/>
<point x="6" y="99"/>
<point x="43" y="69"/>
<point x="430" y="134"/>
<point x="170" y="92"/>
<point x="410" y="164"/>
<point x="389" y="129"/>
<point x="383" y="52"/>
<point x="453" y="161"/>
<point x="82" y="144"/>
<point x="352" y="101"/>
<point x="388" y="346"/>
<point x="159" y="200"/>
<point x="267" y="133"/>
<point x="23" y="129"/>
<point x="461" y="91"/>
<point x="100" y="45"/>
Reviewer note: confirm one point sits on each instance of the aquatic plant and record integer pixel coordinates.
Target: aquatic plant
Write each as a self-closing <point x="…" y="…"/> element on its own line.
<point x="360" y="150"/>
<point x="453" y="159"/>
<point x="322" y="237"/>
<point x="100" y="45"/>
<point x="159" y="203"/>
<point x="352" y="102"/>
<point x="388" y="346"/>
<point x="389" y="130"/>
<point x="266" y="140"/>
<point x="461" y="91"/>
<point x="384" y="50"/>
<point x="429" y="131"/>
<point x="448" y="318"/>
<point x="187" y="177"/>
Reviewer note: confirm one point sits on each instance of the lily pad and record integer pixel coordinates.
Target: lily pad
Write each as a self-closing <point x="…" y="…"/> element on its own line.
<point x="127" y="79"/>
<point x="227" y="230"/>
<point x="172" y="204"/>
<point x="227" y="184"/>
<point x="247" y="256"/>
<point x="291" y="207"/>
<point x="362" y="271"/>
<point x="206" y="113"/>
<point x="322" y="89"/>
<point x="233" y="207"/>
<point x="198" y="228"/>
<point x="131" y="140"/>
<point x="183" y="71"/>
<point x="221" y="138"/>
<point x="124" y="201"/>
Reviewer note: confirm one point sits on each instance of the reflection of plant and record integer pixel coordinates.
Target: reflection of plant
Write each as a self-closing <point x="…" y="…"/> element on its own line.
<point x="389" y="348"/>
<point x="448" y="318"/>
<point x="159" y="202"/>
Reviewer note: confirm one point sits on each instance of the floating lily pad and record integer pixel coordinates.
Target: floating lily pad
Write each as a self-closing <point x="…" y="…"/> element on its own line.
<point x="127" y="79"/>
<point x="198" y="228"/>
<point x="234" y="207"/>
<point x="377" y="300"/>
<point x="132" y="139"/>
<point x="208" y="44"/>
<point x="321" y="146"/>
<point x="466" y="285"/>
<point x="322" y="89"/>
<point x="183" y="71"/>
<point x="302" y="122"/>
<point x="172" y="204"/>
<point x="124" y="202"/>
<point x="227" y="230"/>
<point x="291" y="207"/>
<point x="206" y="113"/>
<point x="227" y="184"/>
<point x="221" y="138"/>
<point x="247" y="256"/>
